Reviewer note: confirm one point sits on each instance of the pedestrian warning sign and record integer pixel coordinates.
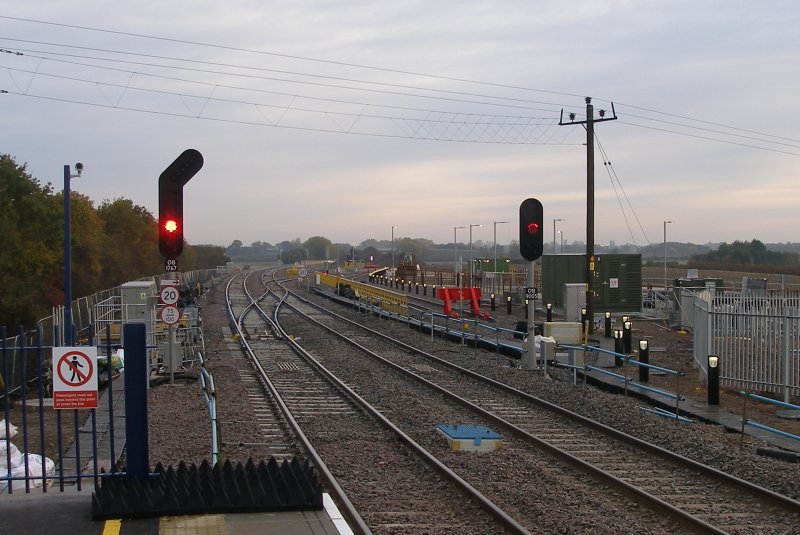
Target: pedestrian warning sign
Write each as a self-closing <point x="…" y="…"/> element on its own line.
<point x="75" y="377"/>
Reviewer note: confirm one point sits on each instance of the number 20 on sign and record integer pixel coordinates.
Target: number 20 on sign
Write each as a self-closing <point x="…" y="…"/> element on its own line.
<point x="169" y="295"/>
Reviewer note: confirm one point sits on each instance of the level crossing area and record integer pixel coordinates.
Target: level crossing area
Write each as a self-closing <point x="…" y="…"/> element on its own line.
<point x="363" y="391"/>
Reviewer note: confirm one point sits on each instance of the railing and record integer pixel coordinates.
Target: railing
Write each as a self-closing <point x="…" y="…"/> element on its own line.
<point x="90" y="315"/>
<point x="210" y="396"/>
<point x="626" y="360"/>
<point x="49" y="448"/>
<point x="746" y="421"/>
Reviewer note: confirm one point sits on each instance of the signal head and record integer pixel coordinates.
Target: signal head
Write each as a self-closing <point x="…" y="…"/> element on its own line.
<point x="531" y="224"/>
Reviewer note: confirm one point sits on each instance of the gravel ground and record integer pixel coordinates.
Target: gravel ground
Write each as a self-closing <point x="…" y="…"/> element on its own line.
<point x="180" y="428"/>
<point x="179" y="421"/>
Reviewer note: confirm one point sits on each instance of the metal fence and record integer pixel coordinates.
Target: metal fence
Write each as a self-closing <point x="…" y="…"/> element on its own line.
<point x="41" y="446"/>
<point x="90" y="316"/>
<point x="756" y="337"/>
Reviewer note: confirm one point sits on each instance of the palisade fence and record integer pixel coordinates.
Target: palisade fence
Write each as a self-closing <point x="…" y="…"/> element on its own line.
<point x="756" y="337"/>
<point x="91" y="316"/>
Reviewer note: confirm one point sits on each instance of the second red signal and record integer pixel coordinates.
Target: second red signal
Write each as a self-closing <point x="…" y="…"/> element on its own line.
<point x="531" y="226"/>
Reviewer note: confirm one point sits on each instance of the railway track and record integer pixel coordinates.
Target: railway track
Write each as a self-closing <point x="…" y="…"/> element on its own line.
<point x="348" y="440"/>
<point x="682" y="491"/>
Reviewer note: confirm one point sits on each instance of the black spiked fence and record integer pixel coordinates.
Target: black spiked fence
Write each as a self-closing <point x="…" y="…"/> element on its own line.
<point x="223" y="488"/>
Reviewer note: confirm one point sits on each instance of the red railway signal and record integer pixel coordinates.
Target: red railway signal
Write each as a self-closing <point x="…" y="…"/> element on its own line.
<point x="170" y="201"/>
<point x="531" y="229"/>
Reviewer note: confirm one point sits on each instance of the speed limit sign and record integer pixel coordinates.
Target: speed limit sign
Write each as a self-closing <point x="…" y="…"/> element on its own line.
<point x="170" y="315"/>
<point x="169" y="295"/>
<point x="303" y="272"/>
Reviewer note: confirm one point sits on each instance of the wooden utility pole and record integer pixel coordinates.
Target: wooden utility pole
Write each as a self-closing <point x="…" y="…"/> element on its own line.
<point x="590" y="261"/>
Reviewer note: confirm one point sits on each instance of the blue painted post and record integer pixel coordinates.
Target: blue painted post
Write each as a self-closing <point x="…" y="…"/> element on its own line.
<point x="136" y="381"/>
<point x="67" y="263"/>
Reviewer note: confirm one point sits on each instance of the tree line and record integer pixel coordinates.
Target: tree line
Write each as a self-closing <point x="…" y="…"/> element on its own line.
<point x="112" y="243"/>
<point x="748" y="256"/>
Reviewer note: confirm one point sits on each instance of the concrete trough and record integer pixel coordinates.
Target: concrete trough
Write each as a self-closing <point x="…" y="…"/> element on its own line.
<point x="463" y="437"/>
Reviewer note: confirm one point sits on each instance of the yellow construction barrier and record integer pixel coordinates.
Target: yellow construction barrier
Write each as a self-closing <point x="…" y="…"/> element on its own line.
<point x="385" y="299"/>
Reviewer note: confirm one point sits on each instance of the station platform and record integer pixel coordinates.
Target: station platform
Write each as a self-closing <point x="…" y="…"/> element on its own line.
<point x="70" y="512"/>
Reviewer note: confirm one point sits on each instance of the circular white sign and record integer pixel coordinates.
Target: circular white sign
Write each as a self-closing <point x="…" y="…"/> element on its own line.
<point x="169" y="295"/>
<point x="170" y="315"/>
<point x="303" y="272"/>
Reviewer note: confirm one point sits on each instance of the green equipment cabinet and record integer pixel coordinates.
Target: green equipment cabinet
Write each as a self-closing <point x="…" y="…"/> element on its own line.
<point x="617" y="283"/>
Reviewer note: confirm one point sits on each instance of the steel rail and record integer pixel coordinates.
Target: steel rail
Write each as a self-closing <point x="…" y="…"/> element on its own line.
<point x="508" y="523"/>
<point x="346" y="507"/>
<point x="693" y="521"/>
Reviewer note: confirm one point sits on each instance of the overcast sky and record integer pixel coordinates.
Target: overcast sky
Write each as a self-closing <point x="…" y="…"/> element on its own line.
<point x="345" y="118"/>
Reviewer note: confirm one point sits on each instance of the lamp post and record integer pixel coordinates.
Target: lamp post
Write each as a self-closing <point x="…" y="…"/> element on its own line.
<point x="470" y="251"/>
<point x="455" y="248"/>
<point x="393" y="227"/>
<point x="713" y="380"/>
<point x="644" y="358"/>
<point x="665" y="253"/>
<point x="495" y="223"/>
<point x="554" y="233"/>
<point x="68" y="254"/>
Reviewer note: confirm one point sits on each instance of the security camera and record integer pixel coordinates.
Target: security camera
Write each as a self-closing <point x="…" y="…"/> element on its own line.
<point x="79" y="168"/>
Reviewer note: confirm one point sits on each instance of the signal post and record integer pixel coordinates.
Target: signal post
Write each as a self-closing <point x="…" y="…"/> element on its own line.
<point x="170" y="239"/>
<point x="531" y="246"/>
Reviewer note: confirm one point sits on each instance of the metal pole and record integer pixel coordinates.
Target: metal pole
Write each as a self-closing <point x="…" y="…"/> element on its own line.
<point x="461" y="304"/>
<point x="665" y="256"/>
<point x="495" y="253"/>
<point x="532" y="364"/>
<point x="554" y="233"/>
<point x="67" y="262"/>
<point x="494" y="238"/>
<point x="170" y="347"/>
<point x="470" y="253"/>
<point x="393" y="227"/>
<point x="455" y="248"/>
<point x="68" y="335"/>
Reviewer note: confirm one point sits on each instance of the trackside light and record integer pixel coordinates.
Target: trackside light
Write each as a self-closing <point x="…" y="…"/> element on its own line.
<point x="170" y="201"/>
<point x="531" y="224"/>
<point x="170" y="237"/>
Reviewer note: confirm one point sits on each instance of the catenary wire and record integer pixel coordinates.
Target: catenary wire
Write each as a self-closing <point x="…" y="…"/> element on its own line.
<point x="612" y="175"/>
<point x="253" y="123"/>
<point x="492" y="84"/>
